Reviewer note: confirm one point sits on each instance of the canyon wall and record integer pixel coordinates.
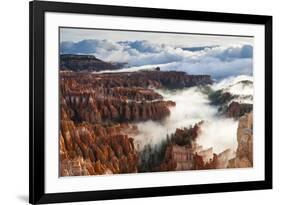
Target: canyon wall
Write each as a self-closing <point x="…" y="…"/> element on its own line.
<point x="84" y="63"/>
<point x="90" y="149"/>
<point x="183" y="153"/>
<point x="244" y="152"/>
<point x="97" y="112"/>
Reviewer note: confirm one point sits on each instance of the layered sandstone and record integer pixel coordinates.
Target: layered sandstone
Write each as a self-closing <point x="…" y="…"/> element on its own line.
<point x="84" y="63"/>
<point x="180" y="149"/>
<point x="183" y="153"/>
<point x="244" y="152"/>
<point x="97" y="112"/>
<point x="103" y="99"/>
<point x="90" y="149"/>
<point x="144" y="79"/>
<point x="103" y="110"/>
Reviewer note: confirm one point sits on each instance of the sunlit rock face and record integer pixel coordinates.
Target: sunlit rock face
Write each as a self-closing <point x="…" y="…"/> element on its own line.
<point x="244" y="152"/>
<point x="98" y="112"/>
<point x="89" y="149"/>
<point x="183" y="153"/>
<point x="176" y="153"/>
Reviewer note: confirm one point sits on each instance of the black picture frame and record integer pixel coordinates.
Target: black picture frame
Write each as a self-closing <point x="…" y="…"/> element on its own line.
<point x="37" y="192"/>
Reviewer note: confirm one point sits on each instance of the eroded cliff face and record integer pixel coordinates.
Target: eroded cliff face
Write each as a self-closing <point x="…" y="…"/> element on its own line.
<point x="106" y="110"/>
<point x="84" y="63"/>
<point x="181" y="151"/>
<point x="92" y="99"/>
<point x="236" y="110"/>
<point x="244" y="152"/>
<point x="143" y="79"/>
<point x="90" y="149"/>
<point x="97" y="113"/>
<point x="119" y="97"/>
<point x="176" y="153"/>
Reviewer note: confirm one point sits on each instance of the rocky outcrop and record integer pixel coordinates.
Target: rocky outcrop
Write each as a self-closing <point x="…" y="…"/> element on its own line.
<point x="177" y="158"/>
<point x="186" y="136"/>
<point x="107" y="99"/>
<point x="107" y="110"/>
<point x="245" y="137"/>
<point x="229" y="104"/>
<point x="220" y="98"/>
<point x="179" y="150"/>
<point x="236" y="110"/>
<point x="84" y="63"/>
<point x="193" y="158"/>
<point x="244" y="152"/>
<point x="95" y="112"/>
<point x="120" y="97"/>
<point x="143" y="79"/>
<point x="87" y="149"/>
<point x="135" y="93"/>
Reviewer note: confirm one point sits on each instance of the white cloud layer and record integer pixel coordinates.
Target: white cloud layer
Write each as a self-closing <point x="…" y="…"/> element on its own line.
<point x="217" y="61"/>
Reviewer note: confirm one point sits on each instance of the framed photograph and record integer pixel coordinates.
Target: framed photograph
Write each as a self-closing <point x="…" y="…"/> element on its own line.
<point x="140" y="102"/>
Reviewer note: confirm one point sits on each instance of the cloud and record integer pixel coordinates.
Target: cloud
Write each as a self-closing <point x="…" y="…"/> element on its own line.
<point x="217" y="61"/>
<point x="229" y="53"/>
<point x="217" y="131"/>
<point x="90" y="46"/>
<point x="211" y="66"/>
<point x="175" y="39"/>
<point x="142" y="46"/>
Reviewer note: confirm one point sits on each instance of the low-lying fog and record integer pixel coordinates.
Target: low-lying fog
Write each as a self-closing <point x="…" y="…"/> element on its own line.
<point x="192" y="106"/>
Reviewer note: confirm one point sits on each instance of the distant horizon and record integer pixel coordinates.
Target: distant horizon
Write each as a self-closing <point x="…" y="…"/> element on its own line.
<point x="218" y="56"/>
<point x="170" y="38"/>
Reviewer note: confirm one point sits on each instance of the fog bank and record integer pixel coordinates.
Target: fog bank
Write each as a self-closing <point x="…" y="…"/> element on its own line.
<point x="192" y="106"/>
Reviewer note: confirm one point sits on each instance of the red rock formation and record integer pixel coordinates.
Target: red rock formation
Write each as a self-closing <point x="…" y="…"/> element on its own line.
<point x="82" y="99"/>
<point x="95" y="110"/>
<point x="87" y="149"/>
<point x="143" y="79"/>
<point x="244" y="152"/>
<point x="237" y="110"/>
<point x="84" y="63"/>
<point x="181" y="151"/>
<point x="135" y="93"/>
<point x="186" y="136"/>
<point x="207" y="155"/>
